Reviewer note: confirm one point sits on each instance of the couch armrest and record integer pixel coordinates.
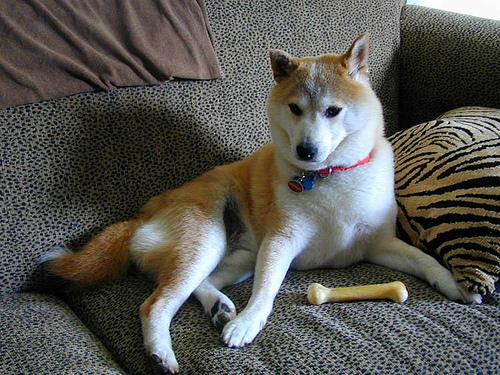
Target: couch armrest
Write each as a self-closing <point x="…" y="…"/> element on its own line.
<point x="448" y="60"/>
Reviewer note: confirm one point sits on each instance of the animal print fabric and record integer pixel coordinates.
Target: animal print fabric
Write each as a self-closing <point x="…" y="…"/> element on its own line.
<point x="448" y="60"/>
<point x="448" y="188"/>
<point x="428" y="334"/>
<point x="41" y="335"/>
<point x="71" y="166"/>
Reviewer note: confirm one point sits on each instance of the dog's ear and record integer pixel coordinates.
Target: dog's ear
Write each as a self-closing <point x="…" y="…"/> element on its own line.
<point x="283" y="64"/>
<point x="355" y="60"/>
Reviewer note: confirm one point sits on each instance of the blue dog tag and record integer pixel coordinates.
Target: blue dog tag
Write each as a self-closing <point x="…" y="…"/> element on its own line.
<point x="308" y="182"/>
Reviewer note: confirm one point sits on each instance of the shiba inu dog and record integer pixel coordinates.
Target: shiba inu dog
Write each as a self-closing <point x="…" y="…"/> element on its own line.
<point x="321" y="195"/>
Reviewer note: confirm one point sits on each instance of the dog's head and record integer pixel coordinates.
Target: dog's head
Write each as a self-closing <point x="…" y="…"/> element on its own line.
<point x="321" y="105"/>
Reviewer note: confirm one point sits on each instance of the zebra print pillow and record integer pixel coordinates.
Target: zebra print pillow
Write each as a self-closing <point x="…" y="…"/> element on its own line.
<point x="448" y="192"/>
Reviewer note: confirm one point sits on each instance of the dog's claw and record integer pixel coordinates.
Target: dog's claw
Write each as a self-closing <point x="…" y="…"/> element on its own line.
<point x="158" y="367"/>
<point x="242" y="330"/>
<point x="469" y="297"/>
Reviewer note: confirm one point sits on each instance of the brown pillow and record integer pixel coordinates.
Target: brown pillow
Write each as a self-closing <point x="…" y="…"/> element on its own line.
<point x="448" y="192"/>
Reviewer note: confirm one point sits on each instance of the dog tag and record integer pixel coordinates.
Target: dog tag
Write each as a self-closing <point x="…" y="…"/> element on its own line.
<point x="308" y="182"/>
<point x="299" y="184"/>
<point x="295" y="185"/>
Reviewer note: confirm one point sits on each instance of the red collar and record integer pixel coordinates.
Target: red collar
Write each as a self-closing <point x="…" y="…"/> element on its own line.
<point x="308" y="178"/>
<point x="323" y="173"/>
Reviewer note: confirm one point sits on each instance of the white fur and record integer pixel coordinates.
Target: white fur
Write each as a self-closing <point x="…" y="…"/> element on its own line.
<point x="273" y="260"/>
<point x="151" y="236"/>
<point x="148" y="237"/>
<point x="55" y="253"/>
<point x="156" y="325"/>
<point x="233" y="268"/>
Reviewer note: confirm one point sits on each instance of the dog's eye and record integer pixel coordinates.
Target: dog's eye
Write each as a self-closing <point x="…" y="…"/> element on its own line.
<point x="332" y="111"/>
<point x="294" y="108"/>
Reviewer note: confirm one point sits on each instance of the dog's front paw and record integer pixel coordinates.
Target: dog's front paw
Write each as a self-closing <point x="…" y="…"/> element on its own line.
<point x="242" y="330"/>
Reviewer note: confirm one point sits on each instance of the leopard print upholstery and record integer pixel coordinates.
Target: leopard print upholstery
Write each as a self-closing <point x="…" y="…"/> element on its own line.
<point x="42" y="335"/>
<point x="373" y="337"/>
<point x="468" y="72"/>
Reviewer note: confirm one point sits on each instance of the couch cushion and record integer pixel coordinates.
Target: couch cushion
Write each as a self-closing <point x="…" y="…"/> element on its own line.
<point x="448" y="60"/>
<point x="426" y="334"/>
<point x="447" y="188"/>
<point x="71" y="166"/>
<point x="39" y="334"/>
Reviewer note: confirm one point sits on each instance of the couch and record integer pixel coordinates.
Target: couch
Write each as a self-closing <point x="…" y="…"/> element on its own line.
<point x="72" y="165"/>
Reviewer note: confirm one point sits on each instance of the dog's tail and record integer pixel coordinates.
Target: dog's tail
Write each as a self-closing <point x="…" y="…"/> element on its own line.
<point x="106" y="257"/>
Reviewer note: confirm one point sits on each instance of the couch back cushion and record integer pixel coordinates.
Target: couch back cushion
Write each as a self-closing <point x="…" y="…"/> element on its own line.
<point x="448" y="60"/>
<point x="71" y="166"/>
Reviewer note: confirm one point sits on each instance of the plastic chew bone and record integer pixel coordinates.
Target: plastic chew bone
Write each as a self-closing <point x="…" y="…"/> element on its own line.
<point x="396" y="291"/>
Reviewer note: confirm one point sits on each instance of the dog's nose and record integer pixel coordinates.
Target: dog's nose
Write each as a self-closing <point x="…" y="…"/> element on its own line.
<point x="306" y="151"/>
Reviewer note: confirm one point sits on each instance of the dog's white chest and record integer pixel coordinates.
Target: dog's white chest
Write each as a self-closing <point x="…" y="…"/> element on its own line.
<point x="334" y="238"/>
<point x="344" y="219"/>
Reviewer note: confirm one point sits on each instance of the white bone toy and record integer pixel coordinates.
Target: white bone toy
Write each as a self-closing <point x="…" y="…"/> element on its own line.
<point x="396" y="291"/>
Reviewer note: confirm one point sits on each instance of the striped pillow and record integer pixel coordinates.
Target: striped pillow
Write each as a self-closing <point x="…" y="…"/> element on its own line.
<point x="448" y="192"/>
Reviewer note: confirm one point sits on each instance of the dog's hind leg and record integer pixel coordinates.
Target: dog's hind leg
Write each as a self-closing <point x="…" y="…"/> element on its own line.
<point x="179" y="272"/>
<point x="236" y="267"/>
<point x="400" y="256"/>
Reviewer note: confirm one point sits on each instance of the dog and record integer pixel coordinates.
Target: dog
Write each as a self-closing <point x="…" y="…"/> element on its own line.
<point x="320" y="195"/>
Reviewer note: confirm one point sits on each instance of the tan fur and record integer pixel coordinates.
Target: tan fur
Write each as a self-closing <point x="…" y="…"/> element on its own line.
<point x="104" y="258"/>
<point x="195" y="202"/>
